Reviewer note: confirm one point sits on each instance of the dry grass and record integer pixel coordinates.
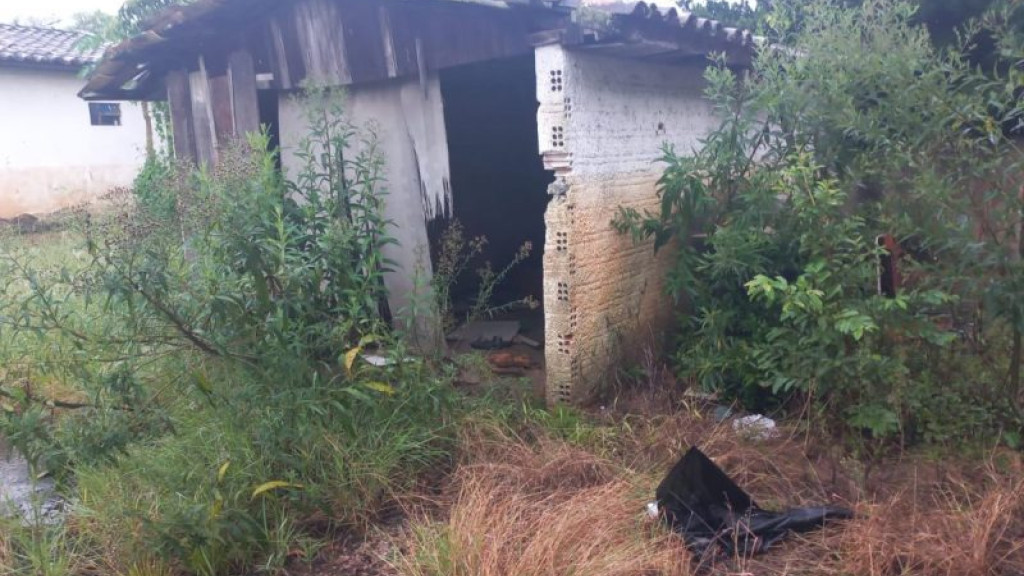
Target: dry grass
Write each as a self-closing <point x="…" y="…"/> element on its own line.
<point x="543" y="510"/>
<point x="544" y="507"/>
<point x="953" y="530"/>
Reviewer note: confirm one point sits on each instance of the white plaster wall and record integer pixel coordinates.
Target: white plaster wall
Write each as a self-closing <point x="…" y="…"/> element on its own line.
<point x="51" y="156"/>
<point x="408" y="119"/>
<point x="602" y="123"/>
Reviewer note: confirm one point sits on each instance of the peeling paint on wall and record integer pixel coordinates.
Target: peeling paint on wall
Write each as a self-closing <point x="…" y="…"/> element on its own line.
<point x="409" y="123"/>
<point x="423" y="111"/>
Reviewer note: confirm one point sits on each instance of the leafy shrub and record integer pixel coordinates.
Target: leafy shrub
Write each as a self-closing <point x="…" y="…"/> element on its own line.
<point x="856" y="129"/>
<point x="216" y="350"/>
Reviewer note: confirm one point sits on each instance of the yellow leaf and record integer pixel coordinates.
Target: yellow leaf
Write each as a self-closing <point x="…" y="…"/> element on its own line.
<point x="382" y="387"/>
<point x="350" y="358"/>
<point x="223" y="470"/>
<point x="203" y="383"/>
<point x="273" y="485"/>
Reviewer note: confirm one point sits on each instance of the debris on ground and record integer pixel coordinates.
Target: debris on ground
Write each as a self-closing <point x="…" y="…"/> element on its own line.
<point x="722" y="413"/>
<point x="526" y="341"/>
<point x="509" y="363"/>
<point x="487" y="334"/>
<point x="700" y="502"/>
<point x="381" y="361"/>
<point x="756" y="427"/>
<point x="692" y="394"/>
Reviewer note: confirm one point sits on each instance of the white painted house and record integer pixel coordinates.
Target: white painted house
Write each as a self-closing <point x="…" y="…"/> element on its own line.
<point x="55" y="149"/>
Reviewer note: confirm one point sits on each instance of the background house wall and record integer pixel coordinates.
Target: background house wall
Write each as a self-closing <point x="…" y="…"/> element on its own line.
<point x="51" y="156"/>
<point x="602" y="122"/>
<point x="408" y="119"/>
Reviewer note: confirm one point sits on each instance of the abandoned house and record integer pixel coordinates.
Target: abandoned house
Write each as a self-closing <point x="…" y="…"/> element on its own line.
<point x="56" y="150"/>
<point x="526" y="120"/>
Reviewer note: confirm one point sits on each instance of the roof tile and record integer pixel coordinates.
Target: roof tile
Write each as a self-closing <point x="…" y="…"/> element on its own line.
<point x="44" y="46"/>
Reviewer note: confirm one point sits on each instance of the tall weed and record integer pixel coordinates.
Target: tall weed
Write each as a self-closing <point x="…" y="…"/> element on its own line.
<point x="206" y="397"/>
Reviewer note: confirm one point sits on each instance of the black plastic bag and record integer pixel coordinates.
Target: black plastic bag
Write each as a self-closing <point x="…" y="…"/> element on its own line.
<point x="707" y="508"/>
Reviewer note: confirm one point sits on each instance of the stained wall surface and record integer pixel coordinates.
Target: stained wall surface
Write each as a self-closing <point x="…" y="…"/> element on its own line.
<point x="51" y="157"/>
<point x="602" y="123"/>
<point x="408" y="119"/>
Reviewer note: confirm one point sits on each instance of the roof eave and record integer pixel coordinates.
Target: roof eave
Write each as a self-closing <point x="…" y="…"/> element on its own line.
<point x="50" y="66"/>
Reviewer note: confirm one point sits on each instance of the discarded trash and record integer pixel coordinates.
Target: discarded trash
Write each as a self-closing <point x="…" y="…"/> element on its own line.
<point x="698" y="500"/>
<point x="701" y="396"/>
<point x="652" y="510"/>
<point x="381" y="361"/>
<point x="756" y="427"/>
<point x="722" y="413"/>
<point x="508" y="363"/>
<point x="486" y="334"/>
<point x="492" y="343"/>
<point x="520" y="339"/>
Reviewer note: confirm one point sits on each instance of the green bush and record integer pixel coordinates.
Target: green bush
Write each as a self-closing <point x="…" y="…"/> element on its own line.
<point x="853" y="127"/>
<point x="206" y="360"/>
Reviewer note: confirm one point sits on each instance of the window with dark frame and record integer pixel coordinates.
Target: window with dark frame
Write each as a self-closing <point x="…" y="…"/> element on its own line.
<point x="105" y="114"/>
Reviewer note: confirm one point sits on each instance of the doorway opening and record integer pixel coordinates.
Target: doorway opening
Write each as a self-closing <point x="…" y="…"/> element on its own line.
<point x="267" y="101"/>
<point x="499" y="192"/>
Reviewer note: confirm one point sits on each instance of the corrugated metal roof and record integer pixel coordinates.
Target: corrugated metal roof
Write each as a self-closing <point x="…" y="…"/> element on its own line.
<point x="33" y="45"/>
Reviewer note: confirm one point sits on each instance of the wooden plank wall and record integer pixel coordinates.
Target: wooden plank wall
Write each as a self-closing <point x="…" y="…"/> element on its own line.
<point x="334" y="42"/>
<point x="343" y="42"/>
<point x="211" y="106"/>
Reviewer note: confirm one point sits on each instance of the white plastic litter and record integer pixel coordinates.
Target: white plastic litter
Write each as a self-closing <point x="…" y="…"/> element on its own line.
<point x="381" y="361"/>
<point x="652" y="510"/>
<point x="756" y="427"/>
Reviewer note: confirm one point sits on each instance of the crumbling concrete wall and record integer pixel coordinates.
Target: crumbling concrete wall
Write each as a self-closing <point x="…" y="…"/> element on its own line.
<point x="408" y="119"/>
<point x="602" y="122"/>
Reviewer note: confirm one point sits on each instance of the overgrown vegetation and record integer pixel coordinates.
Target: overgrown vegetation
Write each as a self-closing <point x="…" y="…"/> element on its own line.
<point x="193" y="375"/>
<point x="455" y="255"/>
<point x="856" y="129"/>
<point x="191" y="366"/>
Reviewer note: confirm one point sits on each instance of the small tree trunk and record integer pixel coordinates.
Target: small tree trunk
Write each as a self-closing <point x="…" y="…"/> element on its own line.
<point x="147" y="117"/>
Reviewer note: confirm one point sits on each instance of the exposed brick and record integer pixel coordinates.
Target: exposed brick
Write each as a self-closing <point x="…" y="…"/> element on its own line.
<point x="605" y="297"/>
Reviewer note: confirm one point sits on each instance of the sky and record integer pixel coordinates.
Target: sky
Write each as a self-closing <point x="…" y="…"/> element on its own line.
<point x="58" y="11"/>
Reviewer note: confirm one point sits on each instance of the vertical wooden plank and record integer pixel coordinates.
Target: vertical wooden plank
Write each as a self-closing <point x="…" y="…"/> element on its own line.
<point x="202" y="116"/>
<point x="364" y="45"/>
<point x="388" y="42"/>
<point x="180" y="102"/>
<point x="242" y="72"/>
<point x="223" y="115"/>
<point x="279" y="57"/>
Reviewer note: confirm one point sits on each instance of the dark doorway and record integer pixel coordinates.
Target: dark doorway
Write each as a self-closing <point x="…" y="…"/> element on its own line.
<point x="267" y="101"/>
<point x="499" y="185"/>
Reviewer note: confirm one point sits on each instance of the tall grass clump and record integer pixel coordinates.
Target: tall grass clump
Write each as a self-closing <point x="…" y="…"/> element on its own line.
<point x="541" y="509"/>
<point x="200" y="391"/>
